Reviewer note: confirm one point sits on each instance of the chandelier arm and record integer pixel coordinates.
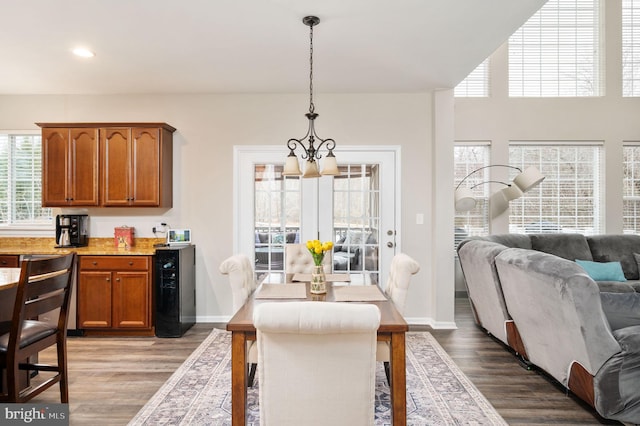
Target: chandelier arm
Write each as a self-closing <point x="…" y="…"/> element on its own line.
<point x="486" y="167"/>
<point x="330" y="144"/>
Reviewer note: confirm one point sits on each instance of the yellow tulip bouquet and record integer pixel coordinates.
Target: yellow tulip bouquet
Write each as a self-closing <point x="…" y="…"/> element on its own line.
<point x="318" y="249"/>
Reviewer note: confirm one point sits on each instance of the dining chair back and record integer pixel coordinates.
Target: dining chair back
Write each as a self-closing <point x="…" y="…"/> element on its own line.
<point x="329" y="348"/>
<point x="403" y="267"/>
<point x="298" y="260"/>
<point x="44" y="288"/>
<point x="242" y="280"/>
<point x="400" y="272"/>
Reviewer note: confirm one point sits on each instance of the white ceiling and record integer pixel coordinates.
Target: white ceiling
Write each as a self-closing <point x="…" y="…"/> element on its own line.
<point x="248" y="46"/>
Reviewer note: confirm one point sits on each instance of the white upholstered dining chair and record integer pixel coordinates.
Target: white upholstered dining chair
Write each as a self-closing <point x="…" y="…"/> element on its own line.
<point x="242" y="280"/>
<point x="298" y="260"/>
<point x="327" y="347"/>
<point x="402" y="268"/>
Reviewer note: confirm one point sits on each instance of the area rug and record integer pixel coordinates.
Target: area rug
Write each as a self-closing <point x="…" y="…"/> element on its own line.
<point x="438" y="393"/>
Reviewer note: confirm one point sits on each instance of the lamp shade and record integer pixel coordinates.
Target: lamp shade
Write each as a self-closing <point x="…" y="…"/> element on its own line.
<point x="311" y="169"/>
<point x="330" y="165"/>
<point x="498" y="203"/>
<point x="528" y="179"/>
<point x="291" y="166"/>
<point x="464" y="200"/>
<point x="512" y="192"/>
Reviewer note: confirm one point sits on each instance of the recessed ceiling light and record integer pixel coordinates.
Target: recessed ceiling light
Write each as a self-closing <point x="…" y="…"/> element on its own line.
<point x="84" y="53"/>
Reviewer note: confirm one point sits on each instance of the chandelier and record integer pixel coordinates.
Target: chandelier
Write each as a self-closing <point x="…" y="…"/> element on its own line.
<point x="311" y="153"/>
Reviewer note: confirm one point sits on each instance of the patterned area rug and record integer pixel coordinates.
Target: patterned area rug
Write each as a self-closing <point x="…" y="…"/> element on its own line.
<point x="438" y="393"/>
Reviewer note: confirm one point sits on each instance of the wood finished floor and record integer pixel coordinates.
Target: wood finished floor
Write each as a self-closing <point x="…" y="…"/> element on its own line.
<point x="112" y="378"/>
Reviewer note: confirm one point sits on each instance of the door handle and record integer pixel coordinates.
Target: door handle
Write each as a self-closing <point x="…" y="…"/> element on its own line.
<point x="390" y="244"/>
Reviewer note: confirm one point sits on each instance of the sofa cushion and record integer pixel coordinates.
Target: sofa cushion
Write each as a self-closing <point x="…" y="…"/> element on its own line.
<point x="618" y="287"/>
<point x="511" y="240"/>
<point x="621" y="248"/>
<point x="603" y="271"/>
<point x="567" y="246"/>
<point x="622" y="309"/>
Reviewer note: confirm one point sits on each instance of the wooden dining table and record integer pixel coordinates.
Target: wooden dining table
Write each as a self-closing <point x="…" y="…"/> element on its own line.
<point x="392" y="329"/>
<point x="9" y="278"/>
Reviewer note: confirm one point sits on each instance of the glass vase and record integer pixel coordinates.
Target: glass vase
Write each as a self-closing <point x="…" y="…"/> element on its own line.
<point x="318" y="280"/>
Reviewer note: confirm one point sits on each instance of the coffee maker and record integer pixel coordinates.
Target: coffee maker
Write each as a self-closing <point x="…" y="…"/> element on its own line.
<point x="72" y="230"/>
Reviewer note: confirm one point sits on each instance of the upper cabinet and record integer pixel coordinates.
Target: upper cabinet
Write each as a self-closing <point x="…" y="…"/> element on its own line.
<point x="69" y="167"/>
<point x="133" y="164"/>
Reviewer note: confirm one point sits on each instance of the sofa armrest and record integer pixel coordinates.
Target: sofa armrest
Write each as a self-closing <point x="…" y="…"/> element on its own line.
<point x="557" y="310"/>
<point x="617" y="384"/>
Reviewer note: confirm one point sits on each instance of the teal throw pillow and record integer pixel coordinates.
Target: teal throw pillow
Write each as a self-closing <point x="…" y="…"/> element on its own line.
<point x="603" y="271"/>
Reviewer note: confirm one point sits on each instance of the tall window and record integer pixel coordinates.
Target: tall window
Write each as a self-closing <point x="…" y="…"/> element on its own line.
<point x="557" y="51"/>
<point x="569" y="199"/>
<point x="21" y="181"/>
<point x="631" y="189"/>
<point x="470" y="157"/>
<point x="476" y="85"/>
<point x="630" y="47"/>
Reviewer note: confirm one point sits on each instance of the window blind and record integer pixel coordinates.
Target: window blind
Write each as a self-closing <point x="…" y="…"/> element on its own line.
<point x="557" y="51"/>
<point x="470" y="157"/>
<point x="631" y="188"/>
<point x="476" y="84"/>
<point x="630" y="48"/>
<point x="21" y="181"/>
<point x="569" y="199"/>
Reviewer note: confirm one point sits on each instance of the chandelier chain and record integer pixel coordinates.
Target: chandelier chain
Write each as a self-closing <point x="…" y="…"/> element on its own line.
<point x="312" y="107"/>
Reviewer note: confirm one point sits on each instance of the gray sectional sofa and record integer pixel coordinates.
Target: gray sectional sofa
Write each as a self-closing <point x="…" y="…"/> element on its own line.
<point x="528" y="292"/>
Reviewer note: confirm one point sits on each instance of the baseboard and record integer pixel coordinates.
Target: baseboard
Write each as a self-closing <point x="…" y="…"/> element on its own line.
<point x="213" y="318"/>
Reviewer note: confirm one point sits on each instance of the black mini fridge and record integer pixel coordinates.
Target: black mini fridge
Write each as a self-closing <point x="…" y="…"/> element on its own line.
<point x="175" y="290"/>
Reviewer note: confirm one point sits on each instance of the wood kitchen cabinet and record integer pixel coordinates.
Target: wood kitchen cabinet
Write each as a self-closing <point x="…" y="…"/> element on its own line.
<point x="115" y="294"/>
<point x="137" y="166"/>
<point x="107" y="164"/>
<point x="69" y="167"/>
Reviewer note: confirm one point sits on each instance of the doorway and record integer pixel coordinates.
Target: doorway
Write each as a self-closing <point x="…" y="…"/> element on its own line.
<point x="356" y="210"/>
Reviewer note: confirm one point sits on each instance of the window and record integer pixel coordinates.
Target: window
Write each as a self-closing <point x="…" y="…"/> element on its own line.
<point x="631" y="189"/>
<point x="21" y="181"/>
<point x="469" y="157"/>
<point x="277" y="216"/>
<point x="476" y="85"/>
<point x="630" y="47"/>
<point x="569" y="199"/>
<point x="557" y="51"/>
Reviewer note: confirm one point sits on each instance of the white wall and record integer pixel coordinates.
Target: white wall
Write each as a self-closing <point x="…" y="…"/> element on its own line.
<point x="208" y="126"/>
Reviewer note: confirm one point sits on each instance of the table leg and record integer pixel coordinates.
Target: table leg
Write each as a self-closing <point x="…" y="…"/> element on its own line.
<point x="398" y="379"/>
<point x="238" y="378"/>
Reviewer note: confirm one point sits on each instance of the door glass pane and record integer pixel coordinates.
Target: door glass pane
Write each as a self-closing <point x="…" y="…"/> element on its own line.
<point x="277" y="216"/>
<point x="356" y="219"/>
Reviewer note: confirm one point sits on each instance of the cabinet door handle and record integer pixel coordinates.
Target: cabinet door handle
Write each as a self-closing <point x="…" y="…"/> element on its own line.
<point x="117" y="279"/>
<point x="131" y="263"/>
<point x="94" y="263"/>
<point x="108" y="279"/>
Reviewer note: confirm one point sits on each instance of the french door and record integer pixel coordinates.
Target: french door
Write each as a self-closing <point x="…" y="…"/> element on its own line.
<point x="356" y="210"/>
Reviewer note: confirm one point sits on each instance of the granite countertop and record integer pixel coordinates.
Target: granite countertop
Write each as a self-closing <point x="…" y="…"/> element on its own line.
<point x="96" y="246"/>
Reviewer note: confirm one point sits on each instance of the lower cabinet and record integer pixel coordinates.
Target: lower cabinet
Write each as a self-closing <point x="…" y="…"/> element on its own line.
<point x="115" y="294"/>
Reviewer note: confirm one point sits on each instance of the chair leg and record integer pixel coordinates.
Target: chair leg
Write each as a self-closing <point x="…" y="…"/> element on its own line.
<point x="386" y="372"/>
<point x="252" y="374"/>
<point x="62" y="370"/>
